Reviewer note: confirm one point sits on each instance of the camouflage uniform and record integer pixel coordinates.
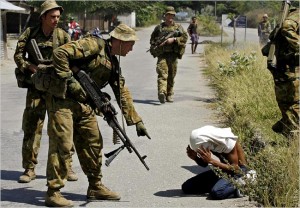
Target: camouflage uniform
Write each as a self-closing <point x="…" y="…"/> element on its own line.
<point x="286" y="74"/>
<point x="74" y="116"/>
<point x="264" y="29"/>
<point x="168" y="54"/>
<point x="34" y="113"/>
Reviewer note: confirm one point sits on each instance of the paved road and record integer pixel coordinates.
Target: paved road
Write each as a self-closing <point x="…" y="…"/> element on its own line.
<point x="169" y="126"/>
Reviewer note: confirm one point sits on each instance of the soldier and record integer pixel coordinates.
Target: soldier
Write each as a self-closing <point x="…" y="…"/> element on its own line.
<point x="48" y="37"/>
<point x="168" y="53"/>
<point x="286" y="74"/>
<point x="192" y="31"/>
<point x="72" y="114"/>
<point x="264" y="29"/>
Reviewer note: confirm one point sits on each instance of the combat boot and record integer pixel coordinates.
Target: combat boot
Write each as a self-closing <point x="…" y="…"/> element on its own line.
<point x="55" y="199"/>
<point x="101" y="192"/>
<point x="72" y="176"/>
<point x="170" y="99"/>
<point x="27" y="176"/>
<point x="161" y="97"/>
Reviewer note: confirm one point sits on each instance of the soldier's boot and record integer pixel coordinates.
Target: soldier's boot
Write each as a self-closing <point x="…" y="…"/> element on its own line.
<point x="170" y="99"/>
<point x="71" y="175"/>
<point x="161" y="97"/>
<point x="278" y="127"/>
<point x="55" y="199"/>
<point x="27" y="176"/>
<point x="101" y="192"/>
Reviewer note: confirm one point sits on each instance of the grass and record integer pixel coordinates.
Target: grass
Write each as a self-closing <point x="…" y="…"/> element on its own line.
<point x="247" y="104"/>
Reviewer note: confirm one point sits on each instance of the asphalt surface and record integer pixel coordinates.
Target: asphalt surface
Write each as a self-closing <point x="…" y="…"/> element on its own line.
<point x="168" y="124"/>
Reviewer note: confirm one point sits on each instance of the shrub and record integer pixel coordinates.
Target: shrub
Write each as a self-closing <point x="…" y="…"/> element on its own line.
<point x="247" y="104"/>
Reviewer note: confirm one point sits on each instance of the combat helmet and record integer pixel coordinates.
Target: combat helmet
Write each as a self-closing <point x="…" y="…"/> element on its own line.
<point x="170" y="10"/>
<point x="48" y="5"/>
<point x="124" y="33"/>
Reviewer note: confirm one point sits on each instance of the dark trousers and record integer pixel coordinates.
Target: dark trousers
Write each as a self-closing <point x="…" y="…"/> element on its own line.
<point x="209" y="182"/>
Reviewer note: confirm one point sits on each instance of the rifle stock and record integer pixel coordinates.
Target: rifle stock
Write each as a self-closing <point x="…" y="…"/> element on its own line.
<point x="102" y="104"/>
<point x="271" y="60"/>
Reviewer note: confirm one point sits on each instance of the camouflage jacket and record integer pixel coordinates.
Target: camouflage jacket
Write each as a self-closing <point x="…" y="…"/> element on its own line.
<point x="177" y="47"/>
<point x="287" y="43"/>
<point x="46" y="45"/>
<point x="264" y="28"/>
<point x="92" y="55"/>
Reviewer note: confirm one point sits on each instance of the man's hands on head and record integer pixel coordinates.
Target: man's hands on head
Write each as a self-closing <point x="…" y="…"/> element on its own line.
<point x="205" y="154"/>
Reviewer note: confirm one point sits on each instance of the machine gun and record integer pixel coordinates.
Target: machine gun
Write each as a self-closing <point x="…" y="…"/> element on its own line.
<point x="271" y="60"/>
<point x="101" y="101"/>
<point x="163" y="38"/>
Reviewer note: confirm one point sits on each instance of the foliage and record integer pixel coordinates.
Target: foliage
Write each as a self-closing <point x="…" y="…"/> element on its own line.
<point x="248" y="105"/>
<point x="237" y="63"/>
<point x="208" y="26"/>
<point x="150" y="14"/>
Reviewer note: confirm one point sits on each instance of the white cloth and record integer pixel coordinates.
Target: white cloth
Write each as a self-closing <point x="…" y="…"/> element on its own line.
<point x="220" y="140"/>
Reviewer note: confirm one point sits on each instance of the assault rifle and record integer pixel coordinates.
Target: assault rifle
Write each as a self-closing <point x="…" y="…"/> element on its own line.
<point x="163" y="38"/>
<point x="271" y="56"/>
<point x="37" y="54"/>
<point x="101" y="100"/>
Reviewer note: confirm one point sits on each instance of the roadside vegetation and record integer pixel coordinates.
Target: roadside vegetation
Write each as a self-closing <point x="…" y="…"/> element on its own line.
<point x="247" y="104"/>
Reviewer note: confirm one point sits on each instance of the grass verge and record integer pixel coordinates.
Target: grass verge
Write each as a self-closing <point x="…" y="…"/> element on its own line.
<point x="246" y="101"/>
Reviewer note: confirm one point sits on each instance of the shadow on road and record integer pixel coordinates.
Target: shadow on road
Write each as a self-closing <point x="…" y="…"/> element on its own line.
<point x="23" y="195"/>
<point x="150" y="102"/>
<point x="196" y="169"/>
<point x="29" y="196"/>
<point x="176" y="193"/>
<point x="207" y="100"/>
<point x="11" y="175"/>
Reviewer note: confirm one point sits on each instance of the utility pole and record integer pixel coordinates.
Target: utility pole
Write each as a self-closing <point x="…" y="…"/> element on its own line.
<point x="215" y="8"/>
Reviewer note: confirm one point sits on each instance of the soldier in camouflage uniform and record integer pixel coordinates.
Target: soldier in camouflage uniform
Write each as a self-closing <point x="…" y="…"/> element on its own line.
<point x="72" y="114"/>
<point x="168" y="53"/>
<point x="286" y="74"/>
<point x="264" y="29"/>
<point x="48" y="37"/>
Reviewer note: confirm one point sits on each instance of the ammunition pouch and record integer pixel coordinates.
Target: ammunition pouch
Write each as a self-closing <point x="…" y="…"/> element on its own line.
<point x="23" y="78"/>
<point x="46" y="80"/>
<point x="155" y="52"/>
<point x="180" y="51"/>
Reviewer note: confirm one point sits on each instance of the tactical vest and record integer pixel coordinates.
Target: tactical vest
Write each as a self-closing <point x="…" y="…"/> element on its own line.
<point x="168" y="48"/>
<point x="46" y="48"/>
<point x="99" y="66"/>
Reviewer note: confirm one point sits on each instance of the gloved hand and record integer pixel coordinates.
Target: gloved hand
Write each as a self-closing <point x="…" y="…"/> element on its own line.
<point x="141" y="130"/>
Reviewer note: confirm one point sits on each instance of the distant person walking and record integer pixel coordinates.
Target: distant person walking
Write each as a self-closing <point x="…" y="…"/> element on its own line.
<point x="264" y="30"/>
<point x="167" y="53"/>
<point x="192" y="31"/>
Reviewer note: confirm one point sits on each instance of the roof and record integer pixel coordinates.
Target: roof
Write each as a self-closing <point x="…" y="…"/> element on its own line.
<point x="9" y="6"/>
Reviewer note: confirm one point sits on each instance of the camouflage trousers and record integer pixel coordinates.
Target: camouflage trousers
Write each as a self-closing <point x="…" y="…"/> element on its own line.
<point x="166" y="69"/>
<point x="287" y="97"/>
<point x="70" y="121"/>
<point x="32" y="125"/>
